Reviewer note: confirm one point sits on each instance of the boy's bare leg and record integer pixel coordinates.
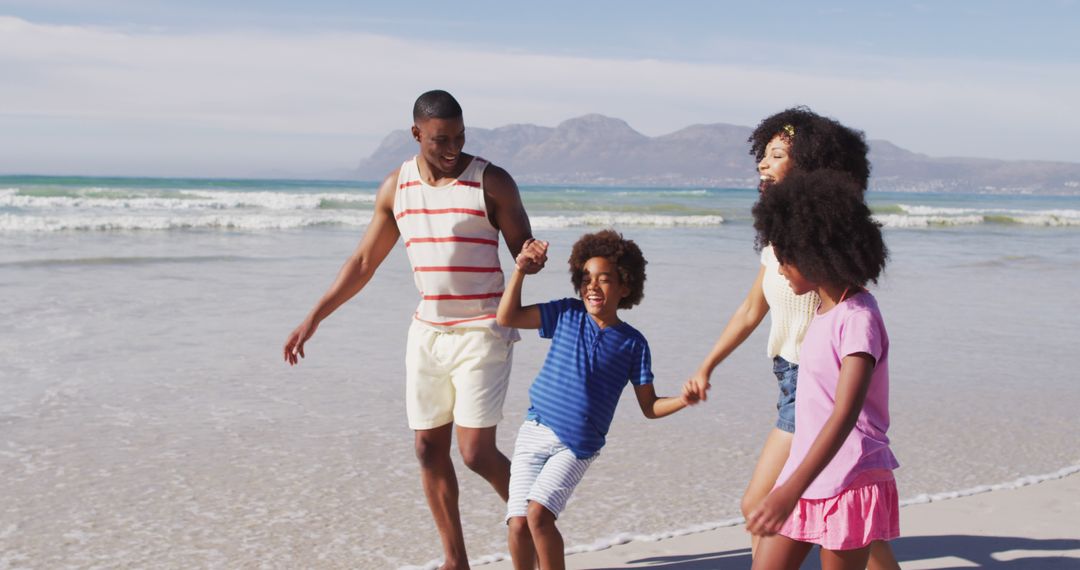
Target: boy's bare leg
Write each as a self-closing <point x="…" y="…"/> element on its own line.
<point x="845" y="559"/>
<point x="546" y="537"/>
<point x="441" y="489"/>
<point x="478" y="451"/>
<point x="881" y="557"/>
<point x="522" y="549"/>
<point x="778" y="552"/>
<point x="773" y="456"/>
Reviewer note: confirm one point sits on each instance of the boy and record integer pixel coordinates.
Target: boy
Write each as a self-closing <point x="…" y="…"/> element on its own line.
<point x="593" y="354"/>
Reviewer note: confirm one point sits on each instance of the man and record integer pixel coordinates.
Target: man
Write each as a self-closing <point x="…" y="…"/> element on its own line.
<point x="449" y="207"/>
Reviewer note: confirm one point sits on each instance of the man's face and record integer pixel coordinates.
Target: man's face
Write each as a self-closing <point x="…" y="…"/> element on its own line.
<point x="441" y="141"/>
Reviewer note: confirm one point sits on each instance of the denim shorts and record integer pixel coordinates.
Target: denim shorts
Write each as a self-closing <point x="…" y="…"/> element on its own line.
<point x="787" y="376"/>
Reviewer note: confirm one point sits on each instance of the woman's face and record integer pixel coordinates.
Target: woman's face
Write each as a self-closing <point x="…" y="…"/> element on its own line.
<point x="776" y="164"/>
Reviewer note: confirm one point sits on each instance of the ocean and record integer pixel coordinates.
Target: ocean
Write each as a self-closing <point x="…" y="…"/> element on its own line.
<point x="147" y="419"/>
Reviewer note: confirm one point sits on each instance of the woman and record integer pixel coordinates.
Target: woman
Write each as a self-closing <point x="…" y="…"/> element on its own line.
<point x="793" y="139"/>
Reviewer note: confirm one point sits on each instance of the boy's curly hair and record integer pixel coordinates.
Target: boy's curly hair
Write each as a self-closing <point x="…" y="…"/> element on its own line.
<point x="818" y="222"/>
<point x="624" y="253"/>
<point x="817" y="143"/>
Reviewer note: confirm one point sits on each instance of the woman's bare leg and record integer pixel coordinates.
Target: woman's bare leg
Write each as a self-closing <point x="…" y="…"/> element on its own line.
<point x="773" y="456"/>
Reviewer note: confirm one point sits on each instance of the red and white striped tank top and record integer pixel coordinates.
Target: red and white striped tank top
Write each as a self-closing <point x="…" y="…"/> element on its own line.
<point x="453" y="249"/>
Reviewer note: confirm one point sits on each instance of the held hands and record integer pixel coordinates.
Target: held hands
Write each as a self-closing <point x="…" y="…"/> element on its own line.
<point x="533" y="256"/>
<point x="688" y="398"/>
<point x="294" y="345"/>
<point x="771" y="514"/>
<point x="696" y="388"/>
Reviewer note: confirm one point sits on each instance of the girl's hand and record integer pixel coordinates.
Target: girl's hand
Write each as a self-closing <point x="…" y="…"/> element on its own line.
<point x="771" y="514"/>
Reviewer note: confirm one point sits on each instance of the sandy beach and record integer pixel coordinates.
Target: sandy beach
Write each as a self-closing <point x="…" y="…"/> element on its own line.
<point x="1021" y="525"/>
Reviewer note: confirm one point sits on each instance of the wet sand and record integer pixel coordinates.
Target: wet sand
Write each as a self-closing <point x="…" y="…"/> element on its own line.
<point x="1032" y="526"/>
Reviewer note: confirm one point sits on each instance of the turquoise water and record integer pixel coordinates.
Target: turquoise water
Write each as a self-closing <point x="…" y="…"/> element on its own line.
<point x="50" y="204"/>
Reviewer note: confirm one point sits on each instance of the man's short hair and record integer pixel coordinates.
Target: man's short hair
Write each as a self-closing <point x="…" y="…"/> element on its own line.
<point x="437" y="104"/>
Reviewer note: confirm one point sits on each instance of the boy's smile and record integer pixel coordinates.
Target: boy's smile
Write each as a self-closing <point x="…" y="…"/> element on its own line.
<point x="602" y="290"/>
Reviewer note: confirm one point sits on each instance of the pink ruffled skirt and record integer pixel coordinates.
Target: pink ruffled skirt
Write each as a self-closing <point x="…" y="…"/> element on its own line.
<point x="868" y="510"/>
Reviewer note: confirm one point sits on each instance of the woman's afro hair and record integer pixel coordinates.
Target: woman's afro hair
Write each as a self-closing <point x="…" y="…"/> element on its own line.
<point x="624" y="253"/>
<point x="817" y="143"/>
<point x="818" y="222"/>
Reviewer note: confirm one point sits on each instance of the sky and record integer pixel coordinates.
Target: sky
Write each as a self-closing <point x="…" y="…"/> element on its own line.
<point x="279" y="88"/>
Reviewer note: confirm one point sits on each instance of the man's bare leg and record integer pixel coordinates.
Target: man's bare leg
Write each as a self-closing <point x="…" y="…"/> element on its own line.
<point x="441" y="489"/>
<point x="478" y="451"/>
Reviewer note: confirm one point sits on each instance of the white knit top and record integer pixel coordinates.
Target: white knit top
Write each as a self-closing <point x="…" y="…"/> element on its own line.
<point x="791" y="313"/>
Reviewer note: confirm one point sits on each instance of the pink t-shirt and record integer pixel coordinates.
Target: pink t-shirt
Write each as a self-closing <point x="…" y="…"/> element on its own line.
<point x="855" y="325"/>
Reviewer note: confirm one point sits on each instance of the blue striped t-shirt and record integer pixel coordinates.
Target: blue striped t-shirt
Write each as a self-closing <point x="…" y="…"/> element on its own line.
<point x="586" y="369"/>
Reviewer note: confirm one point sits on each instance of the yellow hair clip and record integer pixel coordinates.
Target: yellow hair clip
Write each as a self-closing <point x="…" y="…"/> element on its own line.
<point x="788" y="130"/>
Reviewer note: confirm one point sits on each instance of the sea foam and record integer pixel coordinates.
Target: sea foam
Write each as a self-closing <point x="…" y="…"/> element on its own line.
<point x="144" y="221"/>
<point x="106" y="199"/>
<point x="616" y="219"/>
<point x="915" y="216"/>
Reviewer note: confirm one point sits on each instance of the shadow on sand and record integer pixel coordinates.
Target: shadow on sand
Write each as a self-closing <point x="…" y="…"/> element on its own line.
<point x="940" y="552"/>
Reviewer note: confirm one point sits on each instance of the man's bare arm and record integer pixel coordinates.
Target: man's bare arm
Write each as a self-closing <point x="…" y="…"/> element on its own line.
<point x="507" y="213"/>
<point x="379" y="239"/>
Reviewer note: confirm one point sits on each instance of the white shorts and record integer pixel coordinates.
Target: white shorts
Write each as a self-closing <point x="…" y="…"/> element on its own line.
<point x="456" y="376"/>
<point x="542" y="470"/>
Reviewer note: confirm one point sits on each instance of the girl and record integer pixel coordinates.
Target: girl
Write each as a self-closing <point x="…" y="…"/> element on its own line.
<point x="836" y="488"/>
<point x="793" y="140"/>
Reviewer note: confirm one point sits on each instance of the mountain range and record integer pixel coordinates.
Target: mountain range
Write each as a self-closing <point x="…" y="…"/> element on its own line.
<point x="605" y="151"/>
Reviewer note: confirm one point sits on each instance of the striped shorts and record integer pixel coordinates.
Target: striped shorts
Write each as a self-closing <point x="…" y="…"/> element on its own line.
<point x="542" y="470"/>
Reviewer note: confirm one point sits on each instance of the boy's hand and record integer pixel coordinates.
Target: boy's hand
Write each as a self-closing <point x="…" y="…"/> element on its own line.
<point x="698" y="385"/>
<point x="533" y="256"/>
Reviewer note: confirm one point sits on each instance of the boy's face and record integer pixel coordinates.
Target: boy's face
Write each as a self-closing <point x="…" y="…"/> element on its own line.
<point x="799" y="284"/>
<point x="601" y="288"/>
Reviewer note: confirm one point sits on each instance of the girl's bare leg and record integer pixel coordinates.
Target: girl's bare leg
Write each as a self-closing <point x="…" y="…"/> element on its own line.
<point x="845" y="559"/>
<point x="881" y="557"/>
<point x="778" y="552"/>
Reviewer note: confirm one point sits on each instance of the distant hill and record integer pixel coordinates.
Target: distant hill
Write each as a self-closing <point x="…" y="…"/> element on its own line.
<point x="599" y="150"/>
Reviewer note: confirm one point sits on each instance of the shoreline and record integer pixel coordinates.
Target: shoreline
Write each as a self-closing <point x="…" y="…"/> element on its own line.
<point x="990" y="525"/>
